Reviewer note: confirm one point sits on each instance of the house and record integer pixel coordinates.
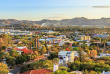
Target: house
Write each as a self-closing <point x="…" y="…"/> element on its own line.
<point x="38" y="71"/>
<point x="61" y="37"/>
<point x="65" y="57"/>
<point x="104" y="54"/>
<point x="20" y="50"/>
<point x="100" y="35"/>
<point x="108" y="43"/>
<point x="76" y="72"/>
<point x="105" y="72"/>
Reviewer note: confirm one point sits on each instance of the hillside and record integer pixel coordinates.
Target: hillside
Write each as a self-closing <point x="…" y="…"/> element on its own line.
<point x="64" y="22"/>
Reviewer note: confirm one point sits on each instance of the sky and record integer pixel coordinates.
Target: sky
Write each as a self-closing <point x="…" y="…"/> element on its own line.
<point x="53" y="9"/>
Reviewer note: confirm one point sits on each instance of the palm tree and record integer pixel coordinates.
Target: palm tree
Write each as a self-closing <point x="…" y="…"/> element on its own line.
<point x="104" y="41"/>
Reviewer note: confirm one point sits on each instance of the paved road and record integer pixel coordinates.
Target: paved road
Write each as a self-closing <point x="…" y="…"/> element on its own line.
<point x="17" y="69"/>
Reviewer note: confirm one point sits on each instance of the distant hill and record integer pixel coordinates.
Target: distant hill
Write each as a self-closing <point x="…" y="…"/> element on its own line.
<point x="64" y="22"/>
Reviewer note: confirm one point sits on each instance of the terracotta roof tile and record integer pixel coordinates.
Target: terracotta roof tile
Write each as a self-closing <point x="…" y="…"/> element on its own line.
<point x="38" y="71"/>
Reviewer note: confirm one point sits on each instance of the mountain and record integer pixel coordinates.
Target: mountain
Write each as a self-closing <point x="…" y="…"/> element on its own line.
<point x="64" y="22"/>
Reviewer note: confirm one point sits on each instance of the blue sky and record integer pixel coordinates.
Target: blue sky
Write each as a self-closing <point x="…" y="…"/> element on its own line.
<point x="53" y="9"/>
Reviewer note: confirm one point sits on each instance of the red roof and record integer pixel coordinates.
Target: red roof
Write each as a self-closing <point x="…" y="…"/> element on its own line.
<point x="25" y="50"/>
<point x="38" y="71"/>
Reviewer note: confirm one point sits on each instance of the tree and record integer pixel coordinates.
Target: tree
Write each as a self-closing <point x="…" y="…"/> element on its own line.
<point x="53" y="55"/>
<point x="4" y="39"/>
<point x="13" y="53"/>
<point x="43" y="42"/>
<point x="3" y="69"/>
<point x="21" y="59"/>
<point x="36" y="53"/>
<point x="84" y="46"/>
<point x="75" y="49"/>
<point x="68" y="49"/>
<point x="3" y="47"/>
<point x="74" y="66"/>
<point x="27" y="51"/>
<point x="46" y="45"/>
<point x="10" y="61"/>
<point x="64" y="68"/>
<point x="2" y="55"/>
<point x="93" y="53"/>
<point x="81" y="54"/>
<point x="43" y="50"/>
<point x="61" y="72"/>
<point x="56" y="61"/>
<point x="104" y="41"/>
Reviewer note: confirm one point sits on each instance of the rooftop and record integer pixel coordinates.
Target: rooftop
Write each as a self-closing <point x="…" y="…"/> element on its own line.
<point x="38" y="71"/>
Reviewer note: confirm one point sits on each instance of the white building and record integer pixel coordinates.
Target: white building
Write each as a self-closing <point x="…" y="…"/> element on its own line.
<point x="104" y="54"/>
<point x="66" y="56"/>
<point x="48" y="31"/>
<point x="14" y="32"/>
<point x="108" y="43"/>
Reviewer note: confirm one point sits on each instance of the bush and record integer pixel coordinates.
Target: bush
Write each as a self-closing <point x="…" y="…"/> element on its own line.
<point x="47" y="64"/>
<point x="10" y="61"/>
<point x="24" y="69"/>
<point x="64" y="68"/>
<point x="21" y="59"/>
<point x="53" y="55"/>
<point x="60" y="72"/>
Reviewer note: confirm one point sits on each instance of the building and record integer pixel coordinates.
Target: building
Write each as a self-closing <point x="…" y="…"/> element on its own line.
<point x="48" y="31"/>
<point x="61" y="37"/>
<point x="66" y="56"/>
<point x="85" y="38"/>
<point x="100" y="35"/>
<point x="38" y="71"/>
<point x="76" y="72"/>
<point x="104" y="54"/>
<point x="24" y="49"/>
<point x="14" y="32"/>
<point x="106" y="72"/>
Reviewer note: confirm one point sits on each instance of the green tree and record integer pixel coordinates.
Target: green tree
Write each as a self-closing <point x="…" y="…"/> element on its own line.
<point x="56" y="61"/>
<point x="43" y="50"/>
<point x="3" y="47"/>
<point x="21" y="59"/>
<point x="53" y="55"/>
<point x="13" y="53"/>
<point x="2" y="55"/>
<point x="61" y="72"/>
<point x="10" y="61"/>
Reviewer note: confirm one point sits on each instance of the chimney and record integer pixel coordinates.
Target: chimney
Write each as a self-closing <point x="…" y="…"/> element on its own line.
<point x="55" y="68"/>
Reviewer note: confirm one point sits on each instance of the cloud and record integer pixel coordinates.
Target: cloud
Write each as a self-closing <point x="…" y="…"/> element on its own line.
<point x="101" y="6"/>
